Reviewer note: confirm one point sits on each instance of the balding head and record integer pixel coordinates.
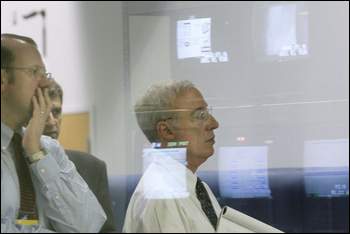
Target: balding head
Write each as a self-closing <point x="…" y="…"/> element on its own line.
<point x="11" y="44"/>
<point x="19" y="38"/>
<point x="12" y="47"/>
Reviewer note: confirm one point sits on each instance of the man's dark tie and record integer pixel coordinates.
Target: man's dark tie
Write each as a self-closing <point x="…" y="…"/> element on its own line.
<point x="28" y="208"/>
<point x="206" y="204"/>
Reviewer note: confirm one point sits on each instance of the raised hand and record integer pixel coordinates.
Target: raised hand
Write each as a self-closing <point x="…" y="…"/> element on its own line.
<point x="41" y="110"/>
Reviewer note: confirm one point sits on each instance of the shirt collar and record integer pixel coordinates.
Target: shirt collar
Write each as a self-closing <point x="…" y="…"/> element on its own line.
<point x="6" y="136"/>
<point x="172" y="178"/>
<point x="191" y="180"/>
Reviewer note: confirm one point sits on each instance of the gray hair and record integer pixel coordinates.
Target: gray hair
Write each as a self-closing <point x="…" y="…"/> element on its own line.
<point x="157" y="105"/>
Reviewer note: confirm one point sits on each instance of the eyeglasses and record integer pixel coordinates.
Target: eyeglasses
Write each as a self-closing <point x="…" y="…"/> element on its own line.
<point x="201" y="115"/>
<point x="34" y="71"/>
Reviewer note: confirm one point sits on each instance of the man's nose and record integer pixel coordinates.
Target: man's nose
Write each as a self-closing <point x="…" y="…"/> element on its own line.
<point x="213" y="123"/>
<point x="51" y="120"/>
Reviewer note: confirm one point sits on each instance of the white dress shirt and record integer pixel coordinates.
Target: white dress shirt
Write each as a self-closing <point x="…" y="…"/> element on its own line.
<point x="165" y="201"/>
<point x="64" y="201"/>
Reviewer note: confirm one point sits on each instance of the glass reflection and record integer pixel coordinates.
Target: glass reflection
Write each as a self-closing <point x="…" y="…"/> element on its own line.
<point x="326" y="168"/>
<point x="243" y="172"/>
<point x="164" y="174"/>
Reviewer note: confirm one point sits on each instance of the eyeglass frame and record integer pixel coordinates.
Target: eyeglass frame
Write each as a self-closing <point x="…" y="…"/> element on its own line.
<point x="33" y="70"/>
<point x="207" y="110"/>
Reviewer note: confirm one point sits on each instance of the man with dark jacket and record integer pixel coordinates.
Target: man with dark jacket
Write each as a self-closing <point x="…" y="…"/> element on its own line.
<point x="92" y="169"/>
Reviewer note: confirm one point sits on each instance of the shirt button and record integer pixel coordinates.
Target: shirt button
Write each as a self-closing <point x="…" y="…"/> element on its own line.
<point x="57" y="197"/>
<point x="3" y="148"/>
<point x="42" y="171"/>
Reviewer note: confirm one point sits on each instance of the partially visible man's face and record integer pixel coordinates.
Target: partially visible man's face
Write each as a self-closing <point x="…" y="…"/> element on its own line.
<point x="18" y="95"/>
<point x="53" y="124"/>
<point x="188" y="127"/>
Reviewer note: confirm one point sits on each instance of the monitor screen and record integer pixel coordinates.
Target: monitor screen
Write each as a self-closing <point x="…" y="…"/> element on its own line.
<point x="243" y="172"/>
<point x="326" y="168"/>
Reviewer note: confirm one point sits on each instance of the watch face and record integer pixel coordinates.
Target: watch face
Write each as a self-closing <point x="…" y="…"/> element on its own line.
<point x="37" y="156"/>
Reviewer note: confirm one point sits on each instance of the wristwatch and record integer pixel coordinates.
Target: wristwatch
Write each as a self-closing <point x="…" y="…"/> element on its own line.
<point x="37" y="156"/>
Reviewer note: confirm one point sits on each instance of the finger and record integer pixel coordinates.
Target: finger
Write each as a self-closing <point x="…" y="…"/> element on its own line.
<point x="42" y="104"/>
<point x="48" y="101"/>
<point x="36" y="108"/>
<point x="44" y="112"/>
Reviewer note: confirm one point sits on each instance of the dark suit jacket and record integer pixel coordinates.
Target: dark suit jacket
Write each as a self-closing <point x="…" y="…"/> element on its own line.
<point x="94" y="172"/>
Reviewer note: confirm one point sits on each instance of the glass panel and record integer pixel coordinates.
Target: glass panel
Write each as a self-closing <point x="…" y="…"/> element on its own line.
<point x="276" y="75"/>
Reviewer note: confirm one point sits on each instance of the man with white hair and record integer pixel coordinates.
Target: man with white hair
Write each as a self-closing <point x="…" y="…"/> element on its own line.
<point x="170" y="114"/>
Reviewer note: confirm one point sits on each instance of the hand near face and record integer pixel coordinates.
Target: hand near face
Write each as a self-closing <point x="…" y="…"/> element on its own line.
<point x="41" y="109"/>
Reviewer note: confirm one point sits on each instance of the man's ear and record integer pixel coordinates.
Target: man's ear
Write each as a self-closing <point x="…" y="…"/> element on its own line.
<point x="4" y="79"/>
<point x="165" y="131"/>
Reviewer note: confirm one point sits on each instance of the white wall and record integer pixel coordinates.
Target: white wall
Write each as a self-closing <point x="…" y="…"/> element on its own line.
<point x="149" y="53"/>
<point x="102" y="24"/>
<point x="64" y="52"/>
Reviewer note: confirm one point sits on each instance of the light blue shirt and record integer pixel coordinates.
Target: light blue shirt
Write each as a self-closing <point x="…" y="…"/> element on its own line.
<point x="64" y="201"/>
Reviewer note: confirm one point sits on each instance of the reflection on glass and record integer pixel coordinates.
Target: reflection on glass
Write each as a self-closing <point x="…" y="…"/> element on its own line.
<point x="326" y="168"/>
<point x="194" y="41"/>
<point x="243" y="172"/>
<point x="193" y="37"/>
<point x="283" y="30"/>
<point x="275" y="104"/>
<point x="164" y="173"/>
